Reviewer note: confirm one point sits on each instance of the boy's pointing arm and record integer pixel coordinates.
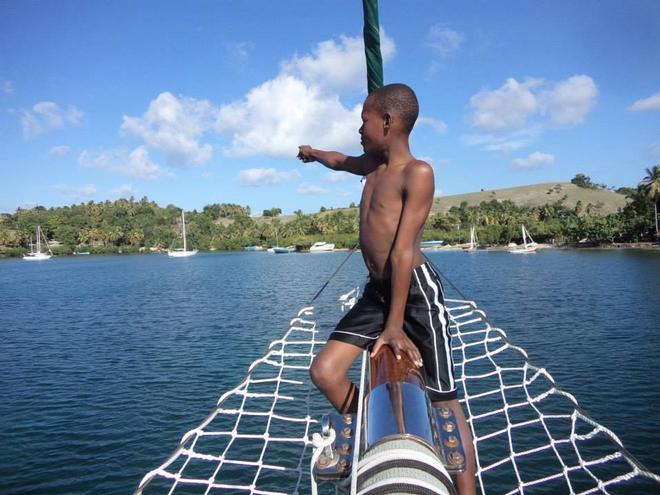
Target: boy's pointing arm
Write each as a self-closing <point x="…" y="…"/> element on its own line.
<point x="333" y="159"/>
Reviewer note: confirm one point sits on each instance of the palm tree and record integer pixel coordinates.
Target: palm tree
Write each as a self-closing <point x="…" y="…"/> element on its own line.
<point x="651" y="187"/>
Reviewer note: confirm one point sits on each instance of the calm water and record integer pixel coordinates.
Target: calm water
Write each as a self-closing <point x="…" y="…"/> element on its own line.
<point x="107" y="361"/>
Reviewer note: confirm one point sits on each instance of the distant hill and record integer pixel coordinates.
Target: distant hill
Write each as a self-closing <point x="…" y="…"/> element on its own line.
<point x="603" y="201"/>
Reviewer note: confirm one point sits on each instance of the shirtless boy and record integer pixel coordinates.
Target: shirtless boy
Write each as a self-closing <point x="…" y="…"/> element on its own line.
<point x="402" y="305"/>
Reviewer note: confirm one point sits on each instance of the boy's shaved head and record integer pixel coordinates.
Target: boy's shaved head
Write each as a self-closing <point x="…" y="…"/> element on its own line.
<point x="397" y="100"/>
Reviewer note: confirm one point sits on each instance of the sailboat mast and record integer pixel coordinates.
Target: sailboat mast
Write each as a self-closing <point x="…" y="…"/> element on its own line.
<point x="524" y="235"/>
<point x="38" y="239"/>
<point x="183" y="221"/>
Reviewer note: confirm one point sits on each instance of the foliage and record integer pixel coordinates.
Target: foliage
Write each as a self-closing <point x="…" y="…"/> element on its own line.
<point x="650" y="186"/>
<point x="584" y="181"/>
<point x="273" y="212"/>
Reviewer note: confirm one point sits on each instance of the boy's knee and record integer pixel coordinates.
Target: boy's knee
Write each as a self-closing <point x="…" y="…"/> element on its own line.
<point x="321" y="372"/>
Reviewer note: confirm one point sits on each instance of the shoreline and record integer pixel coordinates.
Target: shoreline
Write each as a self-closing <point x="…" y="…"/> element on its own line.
<point x="646" y="246"/>
<point x="650" y="246"/>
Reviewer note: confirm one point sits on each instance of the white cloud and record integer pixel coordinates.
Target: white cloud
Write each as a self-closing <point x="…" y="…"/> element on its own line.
<point x="80" y="194"/>
<point x="7" y="86"/>
<point x="534" y="161"/>
<point x="444" y="40"/>
<point x="280" y="114"/>
<point x="569" y="101"/>
<point x="265" y="177"/>
<point x="337" y="177"/>
<point x="337" y="65"/>
<point x="135" y="163"/>
<point x="646" y="104"/>
<point x="125" y="191"/>
<point x="47" y="116"/>
<point x="504" y="143"/>
<point x="514" y="115"/>
<point x="59" y="151"/>
<point x="505" y="108"/>
<point x="301" y="104"/>
<point x="309" y="190"/>
<point x="174" y="126"/>
<point x="437" y="125"/>
<point x="508" y="108"/>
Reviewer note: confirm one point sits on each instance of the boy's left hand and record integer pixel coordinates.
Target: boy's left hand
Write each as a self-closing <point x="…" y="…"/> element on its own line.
<point x="400" y="343"/>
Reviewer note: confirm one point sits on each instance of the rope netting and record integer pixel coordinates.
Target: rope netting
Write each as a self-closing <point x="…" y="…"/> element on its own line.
<point x="530" y="436"/>
<point x="256" y="439"/>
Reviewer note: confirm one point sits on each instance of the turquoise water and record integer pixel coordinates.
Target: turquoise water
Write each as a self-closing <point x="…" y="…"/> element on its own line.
<point x="107" y="361"/>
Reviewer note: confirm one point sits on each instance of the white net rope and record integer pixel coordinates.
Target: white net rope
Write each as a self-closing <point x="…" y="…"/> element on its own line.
<point x="530" y="436"/>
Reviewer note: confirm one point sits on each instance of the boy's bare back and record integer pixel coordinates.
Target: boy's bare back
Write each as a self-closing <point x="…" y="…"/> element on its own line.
<point x="386" y="189"/>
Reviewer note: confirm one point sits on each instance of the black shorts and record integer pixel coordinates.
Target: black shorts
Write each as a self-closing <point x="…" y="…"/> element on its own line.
<point x="426" y="322"/>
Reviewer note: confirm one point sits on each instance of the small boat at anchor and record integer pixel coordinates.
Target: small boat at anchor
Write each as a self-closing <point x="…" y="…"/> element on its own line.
<point x="431" y="244"/>
<point x="321" y="247"/>
<point x="474" y="241"/>
<point x="35" y="253"/>
<point x="528" y="247"/>
<point x="182" y="252"/>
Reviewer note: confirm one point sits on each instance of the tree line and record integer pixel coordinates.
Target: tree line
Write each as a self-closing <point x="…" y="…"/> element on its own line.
<point x="127" y="225"/>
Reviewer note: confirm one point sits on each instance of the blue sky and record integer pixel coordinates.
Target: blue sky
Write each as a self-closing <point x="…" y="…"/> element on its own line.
<point x="206" y="102"/>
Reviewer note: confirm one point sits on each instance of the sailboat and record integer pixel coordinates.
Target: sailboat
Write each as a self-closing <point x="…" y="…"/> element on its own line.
<point x="529" y="247"/>
<point x="276" y="249"/>
<point x="38" y="255"/>
<point x="182" y="253"/>
<point x="474" y="242"/>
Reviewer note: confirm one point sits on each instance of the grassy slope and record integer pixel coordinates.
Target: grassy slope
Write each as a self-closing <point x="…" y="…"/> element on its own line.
<point x="534" y="195"/>
<point x="537" y="195"/>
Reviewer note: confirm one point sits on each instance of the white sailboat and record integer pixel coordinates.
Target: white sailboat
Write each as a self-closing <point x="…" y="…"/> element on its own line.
<point x="474" y="241"/>
<point x="38" y="255"/>
<point x="182" y="253"/>
<point x="528" y="247"/>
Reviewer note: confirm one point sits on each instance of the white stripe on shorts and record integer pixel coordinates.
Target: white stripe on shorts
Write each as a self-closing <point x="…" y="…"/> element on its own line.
<point x="445" y="327"/>
<point x="435" y="343"/>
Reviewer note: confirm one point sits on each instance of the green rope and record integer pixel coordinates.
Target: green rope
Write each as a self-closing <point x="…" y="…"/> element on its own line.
<point x="371" y="35"/>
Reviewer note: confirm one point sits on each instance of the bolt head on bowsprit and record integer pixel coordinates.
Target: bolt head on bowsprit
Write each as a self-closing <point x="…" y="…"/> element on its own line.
<point x="451" y="442"/>
<point x="444" y="412"/>
<point x="456" y="459"/>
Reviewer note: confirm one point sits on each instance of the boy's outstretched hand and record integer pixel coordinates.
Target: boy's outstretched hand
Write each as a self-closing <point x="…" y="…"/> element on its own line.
<point x="400" y="343"/>
<point x="305" y="153"/>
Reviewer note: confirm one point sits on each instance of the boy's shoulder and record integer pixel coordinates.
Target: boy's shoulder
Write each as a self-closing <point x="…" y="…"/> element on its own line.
<point x="418" y="169"/>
